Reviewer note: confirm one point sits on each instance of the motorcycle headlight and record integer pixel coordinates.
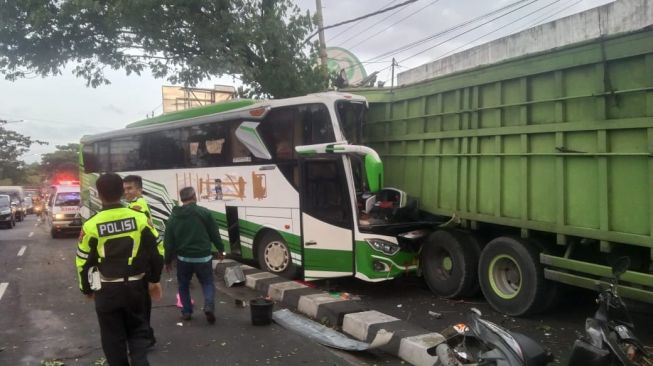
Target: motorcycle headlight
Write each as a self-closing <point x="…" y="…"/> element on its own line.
<point x="383" y="246"/>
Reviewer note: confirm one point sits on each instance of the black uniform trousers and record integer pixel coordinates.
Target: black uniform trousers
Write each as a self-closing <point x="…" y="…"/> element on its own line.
<point x="148" y="312"/>
<point x="121" y="312"/>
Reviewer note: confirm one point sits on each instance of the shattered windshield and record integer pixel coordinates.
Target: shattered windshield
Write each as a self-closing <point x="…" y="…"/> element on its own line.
<point x="351" y="116"/>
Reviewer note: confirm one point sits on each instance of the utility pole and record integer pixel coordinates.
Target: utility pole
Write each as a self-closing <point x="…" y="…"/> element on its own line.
<point x="320" y="28"/>
<point x="392" y="80"/>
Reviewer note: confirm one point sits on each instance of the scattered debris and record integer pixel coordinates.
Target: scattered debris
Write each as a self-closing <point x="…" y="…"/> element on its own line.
<point x="234" y="275"/>
<point x="100" y="362"/>
<point x="180" y="324"/>
<point x="240" y="303"/>
<point x="52" y="363"/>
<point x="319" y="333"/>
<point x="223" y="344"/>
<point x="399" y="305"/>
<point x="435" y="315"/>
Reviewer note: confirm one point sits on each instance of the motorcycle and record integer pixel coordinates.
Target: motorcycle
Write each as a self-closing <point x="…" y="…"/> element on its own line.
<point x="481" y="342"/>
<point x="609" y="338"/>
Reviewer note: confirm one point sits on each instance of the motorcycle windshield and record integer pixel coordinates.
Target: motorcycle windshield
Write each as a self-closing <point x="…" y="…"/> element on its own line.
<point x="498" y="338"/>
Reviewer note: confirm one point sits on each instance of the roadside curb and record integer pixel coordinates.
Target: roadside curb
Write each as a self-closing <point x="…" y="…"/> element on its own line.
<point x="392" y="335"/>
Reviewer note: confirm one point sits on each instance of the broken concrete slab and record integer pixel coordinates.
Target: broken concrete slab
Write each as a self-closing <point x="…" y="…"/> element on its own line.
<point x="357" y="324"/>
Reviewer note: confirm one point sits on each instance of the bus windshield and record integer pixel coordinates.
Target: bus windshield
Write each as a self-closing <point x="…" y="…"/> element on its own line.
<point x="351" y="116"/>
<point x="67" y="199"/>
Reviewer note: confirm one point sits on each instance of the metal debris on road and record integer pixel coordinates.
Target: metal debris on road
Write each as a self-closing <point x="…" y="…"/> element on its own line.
<point x="180" y="324"/>
<point x="233" y="275"/>
<point x="435" y="315"/>
<point x="317" y="332"/>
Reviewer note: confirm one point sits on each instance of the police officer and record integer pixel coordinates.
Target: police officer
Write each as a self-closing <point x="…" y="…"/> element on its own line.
<point x="119" y="245"/>
<point x="133" y="186"/>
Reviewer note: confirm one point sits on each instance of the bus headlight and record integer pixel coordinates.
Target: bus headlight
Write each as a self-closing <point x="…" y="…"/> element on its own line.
<point x="383" y="246"/>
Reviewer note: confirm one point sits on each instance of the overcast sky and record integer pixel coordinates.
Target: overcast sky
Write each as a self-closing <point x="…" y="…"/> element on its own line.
<point x="62" y="109"/>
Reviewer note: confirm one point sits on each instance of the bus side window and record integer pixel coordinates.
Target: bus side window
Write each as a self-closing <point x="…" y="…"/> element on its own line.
<point x="163" y="149"/>
<point x="89" y="158"/>
<point x="206" y="145"/>
<point x="318" y="128"/>
<point x="239" y="153"/>
<point x="125" y="154"/>
<point x="102" y="152"/>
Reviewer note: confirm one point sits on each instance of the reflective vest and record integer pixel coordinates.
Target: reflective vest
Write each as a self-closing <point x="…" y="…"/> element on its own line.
<point x="119" y="241"/>
<point x="140" y="204"/>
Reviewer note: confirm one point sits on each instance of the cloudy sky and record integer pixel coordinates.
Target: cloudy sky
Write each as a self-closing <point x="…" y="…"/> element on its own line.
<point x="61" y="109"/>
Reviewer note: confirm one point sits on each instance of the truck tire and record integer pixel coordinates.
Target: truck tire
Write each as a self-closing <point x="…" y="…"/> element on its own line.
<point x="274" y="256"/>
<point x="449" y="260"/>
<point x="511" y="276"/>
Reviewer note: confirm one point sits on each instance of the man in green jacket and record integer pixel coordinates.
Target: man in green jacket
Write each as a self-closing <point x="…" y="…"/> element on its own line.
<point x="189" y="237"/>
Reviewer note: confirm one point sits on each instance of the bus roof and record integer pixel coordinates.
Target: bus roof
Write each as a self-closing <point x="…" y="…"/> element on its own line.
<point x="217" y="113"/>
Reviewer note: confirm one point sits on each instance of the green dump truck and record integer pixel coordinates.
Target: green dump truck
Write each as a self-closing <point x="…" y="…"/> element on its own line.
<point x="542" y="164"/>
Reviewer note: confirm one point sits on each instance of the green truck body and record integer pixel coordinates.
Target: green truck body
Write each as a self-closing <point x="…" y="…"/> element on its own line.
<point x="555" y="145"/>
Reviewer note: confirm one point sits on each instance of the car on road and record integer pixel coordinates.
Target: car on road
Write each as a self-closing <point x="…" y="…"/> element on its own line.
<point x="7" y="214"/>
<point x="17" y="197"/>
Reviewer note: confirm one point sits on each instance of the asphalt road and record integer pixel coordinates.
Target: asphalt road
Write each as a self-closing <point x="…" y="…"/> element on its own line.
<point x="45" y="317"/>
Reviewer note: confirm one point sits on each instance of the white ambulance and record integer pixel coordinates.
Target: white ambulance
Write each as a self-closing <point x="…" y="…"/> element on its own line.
<point x="63" y="209"/>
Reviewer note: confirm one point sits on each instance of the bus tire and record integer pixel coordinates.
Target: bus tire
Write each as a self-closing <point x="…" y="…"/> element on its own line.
<point x="511" y="276"/>
<point x="273" y="254"/>
<point x="449" y="260"/>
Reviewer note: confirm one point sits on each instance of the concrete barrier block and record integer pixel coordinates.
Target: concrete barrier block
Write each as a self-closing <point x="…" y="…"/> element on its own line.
<point x="276" y="290"/>
<point x="358" y="324"/>
<point x="252" y="278"/>
<point x="413" y="349"/>
<point x="309" y="304"/>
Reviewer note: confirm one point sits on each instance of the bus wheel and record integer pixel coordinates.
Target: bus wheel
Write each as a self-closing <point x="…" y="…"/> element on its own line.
<point x="274" y="255"/>
<point x="449" y="260"/>
<point x="511" y="276"/>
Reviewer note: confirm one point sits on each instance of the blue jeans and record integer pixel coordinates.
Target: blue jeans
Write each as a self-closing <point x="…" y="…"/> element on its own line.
<point x="204" y="273"/>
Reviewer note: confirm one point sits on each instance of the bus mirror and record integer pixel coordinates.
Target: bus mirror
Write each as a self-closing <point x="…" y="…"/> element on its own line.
<point x="374" y="172"/>
<point x="248" y="136"/>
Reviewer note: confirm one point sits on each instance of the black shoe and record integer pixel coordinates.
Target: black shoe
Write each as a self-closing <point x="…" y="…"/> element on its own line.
<point x="210" y="317"/>
<point x="185" y="316"/>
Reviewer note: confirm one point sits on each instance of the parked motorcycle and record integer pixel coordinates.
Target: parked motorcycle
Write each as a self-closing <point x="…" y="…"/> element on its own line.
<point x="481" y="342"/>
<point x="609" y="338"/>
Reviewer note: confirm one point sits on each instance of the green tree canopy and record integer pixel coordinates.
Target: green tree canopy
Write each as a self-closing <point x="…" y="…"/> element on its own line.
<point x="62" y="162"/>
<point x="261" y="41"/>
<point x="12" y="146"/>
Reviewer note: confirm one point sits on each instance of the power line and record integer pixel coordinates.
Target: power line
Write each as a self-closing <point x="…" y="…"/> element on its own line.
<point x="496" y="30"/>
<point x="540" y="21"/>
<point x="371" y="26"/>
<point x="395" y="23"/>
<point x="359" y="18"/>
<point x="446" y="31"/>
<point x="467" y="31"/>
<point x="358" y="22"/>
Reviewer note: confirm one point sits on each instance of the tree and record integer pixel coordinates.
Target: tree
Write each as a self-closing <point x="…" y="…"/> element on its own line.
<point x="261" y="41"/>
<point x="12" y="146"/>
<point x="63" y="162"/>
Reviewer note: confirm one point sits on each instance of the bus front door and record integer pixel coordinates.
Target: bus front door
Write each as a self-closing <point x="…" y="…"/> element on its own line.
<point x="327" y="220"/>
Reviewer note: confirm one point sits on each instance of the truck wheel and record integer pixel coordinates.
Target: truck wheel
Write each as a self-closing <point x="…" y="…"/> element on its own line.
<point x="449" y="260"/>
<point x="511" y="276"/>
<point x="273" y="255"/>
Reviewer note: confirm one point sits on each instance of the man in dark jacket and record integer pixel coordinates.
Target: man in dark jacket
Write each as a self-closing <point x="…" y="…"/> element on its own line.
<point x="190" y="235"/>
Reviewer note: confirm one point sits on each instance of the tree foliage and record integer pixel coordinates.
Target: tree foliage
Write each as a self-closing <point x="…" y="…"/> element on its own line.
<point x="63" y="161"/>
<point x="12" y="146"/>
<point x="186" y="41"/>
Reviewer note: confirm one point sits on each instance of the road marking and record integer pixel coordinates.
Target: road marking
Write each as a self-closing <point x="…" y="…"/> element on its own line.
<point x="30" y="234"/>
<point x="3" y="287"/>
<point x="22" y="250"/>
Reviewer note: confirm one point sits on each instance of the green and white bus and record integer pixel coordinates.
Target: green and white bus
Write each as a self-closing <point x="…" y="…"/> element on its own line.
<point x="285" y="179"/>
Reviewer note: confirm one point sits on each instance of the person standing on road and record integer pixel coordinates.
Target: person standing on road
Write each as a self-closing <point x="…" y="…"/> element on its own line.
<point x="133" y="187"/>
<point x="116" y="247"/>
<point x="190" y="234"/>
